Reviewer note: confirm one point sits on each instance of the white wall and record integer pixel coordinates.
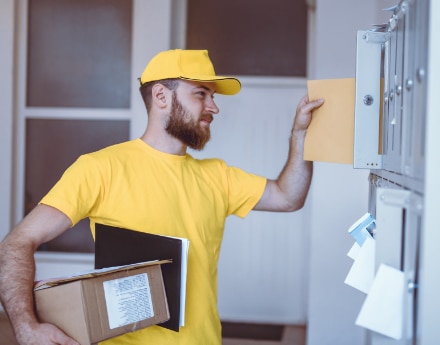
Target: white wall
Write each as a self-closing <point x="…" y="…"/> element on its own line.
<point x="262" y="267"/>
<point x="339" y="193"/>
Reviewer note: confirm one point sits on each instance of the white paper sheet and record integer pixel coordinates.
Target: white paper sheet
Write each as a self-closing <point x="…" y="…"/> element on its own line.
<point x="354" y="251"/>
<point x="183" y="276"/>
<point x="382" y="310"/>
<point x="361" y="274"/>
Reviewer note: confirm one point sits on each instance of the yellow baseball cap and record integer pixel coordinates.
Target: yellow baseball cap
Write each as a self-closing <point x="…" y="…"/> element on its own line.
<point x="188" y="65"/>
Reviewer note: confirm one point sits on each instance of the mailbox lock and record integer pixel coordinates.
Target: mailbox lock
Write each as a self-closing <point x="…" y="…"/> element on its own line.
<point x="368" y="100"/>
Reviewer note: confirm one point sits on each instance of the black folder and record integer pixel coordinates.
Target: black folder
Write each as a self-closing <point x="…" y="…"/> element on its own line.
<point x="117" y="246"/>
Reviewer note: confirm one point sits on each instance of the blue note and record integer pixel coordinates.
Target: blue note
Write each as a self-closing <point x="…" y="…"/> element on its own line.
<point x="363" y="228"/>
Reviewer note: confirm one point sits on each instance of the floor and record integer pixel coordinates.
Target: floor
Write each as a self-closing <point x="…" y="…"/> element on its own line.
<point x="234" y="334"/>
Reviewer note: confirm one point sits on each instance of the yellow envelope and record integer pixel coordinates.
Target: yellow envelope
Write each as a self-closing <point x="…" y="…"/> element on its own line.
<point x="330" y="137"/>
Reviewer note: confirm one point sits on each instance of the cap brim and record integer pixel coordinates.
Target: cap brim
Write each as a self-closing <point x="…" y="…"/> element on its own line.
<point x="224" y="85"/>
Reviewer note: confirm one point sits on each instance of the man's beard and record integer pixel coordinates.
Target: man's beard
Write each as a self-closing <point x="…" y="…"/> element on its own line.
<point x="182" y="126"/>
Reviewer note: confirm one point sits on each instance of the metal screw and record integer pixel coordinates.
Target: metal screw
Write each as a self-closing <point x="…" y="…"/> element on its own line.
<point x="368" y="100"/>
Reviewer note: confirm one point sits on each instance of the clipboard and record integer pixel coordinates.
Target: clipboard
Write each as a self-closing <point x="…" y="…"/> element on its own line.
<point x="116" y="246"/>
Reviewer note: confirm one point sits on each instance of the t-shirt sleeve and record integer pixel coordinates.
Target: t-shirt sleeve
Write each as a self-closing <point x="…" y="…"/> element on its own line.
<point x="244" y="191"/>
<point x="77" y="191"/>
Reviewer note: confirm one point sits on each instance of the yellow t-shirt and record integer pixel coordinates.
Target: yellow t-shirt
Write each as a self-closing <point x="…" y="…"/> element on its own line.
<point x="134" y="186"/>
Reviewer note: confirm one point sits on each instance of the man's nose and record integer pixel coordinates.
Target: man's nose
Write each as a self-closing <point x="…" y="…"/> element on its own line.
<point x="211" y="106"/>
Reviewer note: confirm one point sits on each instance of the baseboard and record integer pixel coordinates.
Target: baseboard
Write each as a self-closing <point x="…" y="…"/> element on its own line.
<point x="242" y="330"/>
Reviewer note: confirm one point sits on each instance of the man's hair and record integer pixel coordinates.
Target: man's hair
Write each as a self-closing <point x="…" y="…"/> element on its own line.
<point x="146" y="88"/>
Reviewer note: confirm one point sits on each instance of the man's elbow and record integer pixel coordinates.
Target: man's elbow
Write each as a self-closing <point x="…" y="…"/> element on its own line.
<point x="296" y="206"/>
<point x="292" y="205"/>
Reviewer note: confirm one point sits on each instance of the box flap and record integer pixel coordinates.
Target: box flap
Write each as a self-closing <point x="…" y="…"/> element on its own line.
<point x="43" y="284"/>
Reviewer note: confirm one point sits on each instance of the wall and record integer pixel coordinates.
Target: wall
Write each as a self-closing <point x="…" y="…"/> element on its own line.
<point x="339" y="193"/>
<point x="262" y="275"/>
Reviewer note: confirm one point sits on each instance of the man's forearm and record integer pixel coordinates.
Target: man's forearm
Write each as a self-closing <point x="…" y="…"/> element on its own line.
<point x="295" y="178"/>
<point x="17" y="272"/>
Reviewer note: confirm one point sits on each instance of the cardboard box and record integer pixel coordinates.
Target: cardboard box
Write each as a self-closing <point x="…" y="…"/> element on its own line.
<point x="104" y="303"/>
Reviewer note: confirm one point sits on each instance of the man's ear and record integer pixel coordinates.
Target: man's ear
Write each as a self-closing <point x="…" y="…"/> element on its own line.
<point x="160" y="95"/>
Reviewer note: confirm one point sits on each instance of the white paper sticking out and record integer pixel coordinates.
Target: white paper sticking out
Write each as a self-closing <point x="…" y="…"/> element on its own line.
<point x="128" y="300"/>
<point x="354" y="251"/>
<point x="361" y="274"/>
<point x="382" y="311"/>
<point x="184" y="272"/>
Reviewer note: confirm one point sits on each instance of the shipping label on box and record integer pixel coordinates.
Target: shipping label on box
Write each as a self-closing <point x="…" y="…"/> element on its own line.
<point x="128" y="300"/>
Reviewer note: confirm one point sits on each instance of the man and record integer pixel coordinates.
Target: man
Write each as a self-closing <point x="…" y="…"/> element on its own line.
<point x="152" y="185"/>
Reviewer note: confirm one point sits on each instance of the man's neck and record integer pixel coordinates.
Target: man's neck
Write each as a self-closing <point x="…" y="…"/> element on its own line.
<point x="164" y="142"/>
